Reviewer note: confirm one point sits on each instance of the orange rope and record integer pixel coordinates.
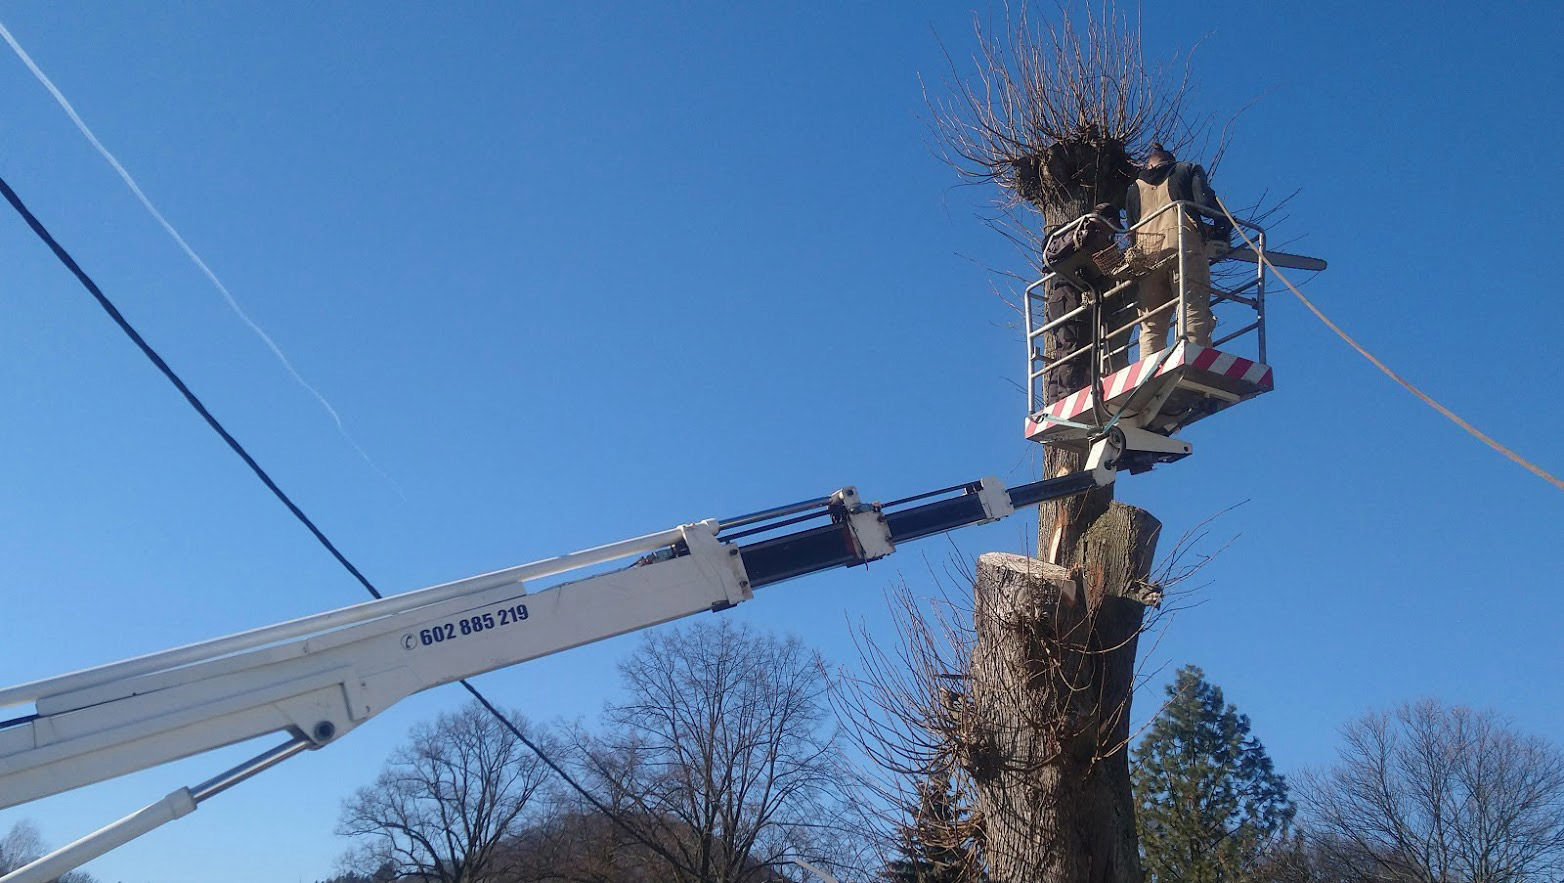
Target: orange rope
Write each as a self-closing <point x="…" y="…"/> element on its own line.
<point x="1427" y="399"/>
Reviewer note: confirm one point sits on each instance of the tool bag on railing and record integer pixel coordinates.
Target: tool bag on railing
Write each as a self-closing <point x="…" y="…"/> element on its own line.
<point x="1074" y="254"/>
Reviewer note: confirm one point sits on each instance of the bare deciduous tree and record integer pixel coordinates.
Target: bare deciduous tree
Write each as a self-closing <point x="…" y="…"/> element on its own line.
<point x="447" y="802"/>
<point x="1438" y="794"/>
<point x="722" y="754"/>
<point x="576" y="844"/>
<point x="22" y="844"/>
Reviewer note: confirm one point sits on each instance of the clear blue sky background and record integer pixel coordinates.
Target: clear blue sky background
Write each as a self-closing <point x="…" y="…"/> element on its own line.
<point x="577" y="272"/>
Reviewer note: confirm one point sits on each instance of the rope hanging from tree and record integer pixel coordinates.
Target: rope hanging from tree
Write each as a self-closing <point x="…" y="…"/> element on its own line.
<point x="1427" y="399"/>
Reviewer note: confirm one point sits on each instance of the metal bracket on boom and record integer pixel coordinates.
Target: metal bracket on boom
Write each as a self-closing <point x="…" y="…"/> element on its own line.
<point x="871" y="539"/>
<point x="1133" y="450"/>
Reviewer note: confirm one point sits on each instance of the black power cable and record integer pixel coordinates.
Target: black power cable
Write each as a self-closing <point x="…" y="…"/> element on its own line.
<point x="150" y="353"/>
<point x="233" y="443"/>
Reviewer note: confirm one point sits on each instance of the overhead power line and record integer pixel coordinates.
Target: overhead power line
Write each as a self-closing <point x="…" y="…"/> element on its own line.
<point x="239" y="449"/>
<point x="184" y="390"/>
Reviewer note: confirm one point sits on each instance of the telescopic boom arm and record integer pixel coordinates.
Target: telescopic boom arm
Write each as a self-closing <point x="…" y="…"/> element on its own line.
<point x="316" y="678"/>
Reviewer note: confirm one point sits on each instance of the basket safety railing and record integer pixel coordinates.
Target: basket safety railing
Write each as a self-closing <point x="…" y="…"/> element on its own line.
<point x="1114" y="312"/>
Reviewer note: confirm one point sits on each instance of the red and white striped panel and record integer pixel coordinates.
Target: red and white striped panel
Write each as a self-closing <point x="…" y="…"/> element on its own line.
<point x="1072" y="405"/>
<point x="1126" y="380"/>
<point x="1067" y="408"/>
<point x="1226" y="364"/>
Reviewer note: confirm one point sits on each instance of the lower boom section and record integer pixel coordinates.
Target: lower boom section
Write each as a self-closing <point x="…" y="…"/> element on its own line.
<point x="317" y="678"/>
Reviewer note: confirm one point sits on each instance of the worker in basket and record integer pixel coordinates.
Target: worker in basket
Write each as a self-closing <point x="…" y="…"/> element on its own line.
<point x="1154" y="248"/>
<point x="1075" y="257"/>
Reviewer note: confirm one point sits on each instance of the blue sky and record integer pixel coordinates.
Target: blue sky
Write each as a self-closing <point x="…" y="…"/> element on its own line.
<point x="573" y="273"/>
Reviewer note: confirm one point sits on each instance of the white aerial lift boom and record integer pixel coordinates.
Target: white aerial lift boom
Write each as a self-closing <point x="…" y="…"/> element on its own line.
<point x="314" y="679"/>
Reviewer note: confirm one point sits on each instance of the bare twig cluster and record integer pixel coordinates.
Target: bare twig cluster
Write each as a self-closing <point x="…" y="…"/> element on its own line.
<point x="1054" y="109"/>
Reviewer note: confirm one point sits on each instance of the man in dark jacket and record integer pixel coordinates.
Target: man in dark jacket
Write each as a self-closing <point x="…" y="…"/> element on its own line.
<point x="1069" y="255"/>
<point x="1157" y="245"/>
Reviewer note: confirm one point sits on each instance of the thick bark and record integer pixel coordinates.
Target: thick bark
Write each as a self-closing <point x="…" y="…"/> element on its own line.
<point x="1053" y="666"/>
<point x="1052" y="672"/>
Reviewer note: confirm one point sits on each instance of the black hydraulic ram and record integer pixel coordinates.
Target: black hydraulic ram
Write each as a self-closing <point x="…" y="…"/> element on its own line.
<point x="832" y="545"/>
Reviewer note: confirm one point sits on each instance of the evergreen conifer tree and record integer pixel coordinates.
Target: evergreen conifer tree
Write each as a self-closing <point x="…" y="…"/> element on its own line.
<point x="933" y="847"/>
<point x="1208" y="801"/>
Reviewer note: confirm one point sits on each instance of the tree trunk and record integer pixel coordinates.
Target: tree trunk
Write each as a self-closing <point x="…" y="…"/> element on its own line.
<point x="1052" y="672"/>
<point x="1054" y="661"/>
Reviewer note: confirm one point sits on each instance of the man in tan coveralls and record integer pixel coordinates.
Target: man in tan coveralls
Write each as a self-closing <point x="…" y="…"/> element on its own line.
<point x="1157" y="245"/>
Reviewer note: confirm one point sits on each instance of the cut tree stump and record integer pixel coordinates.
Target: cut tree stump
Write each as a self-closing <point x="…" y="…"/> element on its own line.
<point x="1052" y="675"/>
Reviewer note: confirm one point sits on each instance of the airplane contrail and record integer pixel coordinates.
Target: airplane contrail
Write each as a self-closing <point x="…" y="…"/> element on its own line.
<point x="233" y="304"/>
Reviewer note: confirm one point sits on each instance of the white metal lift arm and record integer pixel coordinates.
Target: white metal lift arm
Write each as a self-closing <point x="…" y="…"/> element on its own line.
<point x="316" y="678"/>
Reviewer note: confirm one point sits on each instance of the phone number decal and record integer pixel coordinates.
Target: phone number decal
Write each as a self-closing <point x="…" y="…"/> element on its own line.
<point x="471" y="625"/>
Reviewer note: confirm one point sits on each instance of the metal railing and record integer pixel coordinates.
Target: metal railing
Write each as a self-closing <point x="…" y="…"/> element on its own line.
<point x="1109" y="348"/>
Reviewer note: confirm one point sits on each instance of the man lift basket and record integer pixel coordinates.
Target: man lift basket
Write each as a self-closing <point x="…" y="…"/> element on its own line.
<point x="1155" y="393"/>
